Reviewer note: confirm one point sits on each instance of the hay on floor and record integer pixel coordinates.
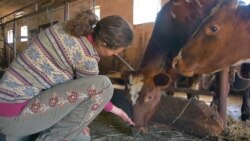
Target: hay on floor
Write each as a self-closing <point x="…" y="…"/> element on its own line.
<point x="107" y="127"/>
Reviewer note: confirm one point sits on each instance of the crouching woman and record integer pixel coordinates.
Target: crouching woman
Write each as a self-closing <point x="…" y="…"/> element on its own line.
<point x="53" y="86"/>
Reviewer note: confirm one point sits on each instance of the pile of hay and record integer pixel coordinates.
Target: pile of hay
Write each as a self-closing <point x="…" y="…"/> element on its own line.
<point x="107" y="127"/>
<point x="237" y="130"/>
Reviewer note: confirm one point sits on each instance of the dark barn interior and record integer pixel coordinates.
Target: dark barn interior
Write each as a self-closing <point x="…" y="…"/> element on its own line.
<point x="177" y="118"/>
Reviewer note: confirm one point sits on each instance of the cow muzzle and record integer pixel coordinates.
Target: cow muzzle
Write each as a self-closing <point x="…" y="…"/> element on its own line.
<point x="181" y="67"/>
<point x="137" y="132"/>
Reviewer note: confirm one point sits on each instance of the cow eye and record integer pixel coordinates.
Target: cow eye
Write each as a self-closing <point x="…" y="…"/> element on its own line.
<point x="148" y="98"/>
<point x="214" y="28"/>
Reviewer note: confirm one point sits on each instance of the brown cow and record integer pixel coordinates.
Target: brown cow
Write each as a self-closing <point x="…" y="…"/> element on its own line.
<point x="175" y="23"/>
<point x="221" y="41"/>
<point x="143" y="89"/>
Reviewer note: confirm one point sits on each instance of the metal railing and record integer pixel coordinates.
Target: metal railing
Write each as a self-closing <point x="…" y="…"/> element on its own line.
<point x="39" y="7"/>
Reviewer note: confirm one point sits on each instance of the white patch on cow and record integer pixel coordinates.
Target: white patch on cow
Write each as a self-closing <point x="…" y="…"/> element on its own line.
<point x="135" y="85"/>
<point x="195" y="86"/>
<point x="188" y="1"/>
<point x="173" y="14"/>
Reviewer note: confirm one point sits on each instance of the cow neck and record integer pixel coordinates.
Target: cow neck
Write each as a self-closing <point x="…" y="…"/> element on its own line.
<point x="164" y="58"/>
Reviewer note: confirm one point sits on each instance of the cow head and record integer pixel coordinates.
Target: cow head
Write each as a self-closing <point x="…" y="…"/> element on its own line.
<point x="175" y="23"/>
<point x="143" y="90"/>
<point x="222" y="40"/>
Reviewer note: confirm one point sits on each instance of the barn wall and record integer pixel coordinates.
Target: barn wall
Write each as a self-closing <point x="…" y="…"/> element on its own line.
<point x="133" y="54"/>
<point x="114" y="7"/>
<point x="1" y="44"/>
<point x="34" y="21"/>
<point x="142" y="33"/>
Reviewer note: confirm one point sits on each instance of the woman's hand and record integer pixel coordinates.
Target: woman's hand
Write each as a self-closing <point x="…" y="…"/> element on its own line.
<point x="120" y="113"/>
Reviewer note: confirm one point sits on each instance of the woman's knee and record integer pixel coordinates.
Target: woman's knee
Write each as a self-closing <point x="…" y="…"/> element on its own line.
<point x="104" y="79"/>
<point x="107" y="85"/>
<point x="104" y="82"/>
<point x="102" y="86"/>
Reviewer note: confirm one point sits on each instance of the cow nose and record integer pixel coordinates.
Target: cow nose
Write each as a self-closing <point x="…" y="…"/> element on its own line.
<point x="175" y="60"/>
<point x="181" y="67"/>
<point x="136" y="132"/>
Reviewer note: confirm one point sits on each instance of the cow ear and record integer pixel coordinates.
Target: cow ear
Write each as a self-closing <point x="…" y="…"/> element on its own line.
<point x="162" y="80"/>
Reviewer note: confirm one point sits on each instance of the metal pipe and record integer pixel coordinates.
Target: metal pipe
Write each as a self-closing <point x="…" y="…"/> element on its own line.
<point x="3" y="41"/>
<point x="124" y="62"/>
<point x="66" y="11"/>
<point x="51" y="15"/>
<point x="14" y="37"/>
<point x="27" y="15"/>
<point x="191" y="91"/>
<point x="4" y="45"/>
<point x="31" y="13"/>
<point x="223" y="94"/>
<point x="23" y="37"/>
<point x="18" y="10"/>
<point x="36" y="7"/>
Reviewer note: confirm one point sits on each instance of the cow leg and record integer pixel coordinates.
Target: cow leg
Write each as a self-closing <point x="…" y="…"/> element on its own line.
<point x="171" y="92"/>
<point x="245" y="108"/>
<point x="194" y="87"/>
<point x="215" y="87"/>
<point x="195" y="83"/>
<point x="215" y="103"/>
